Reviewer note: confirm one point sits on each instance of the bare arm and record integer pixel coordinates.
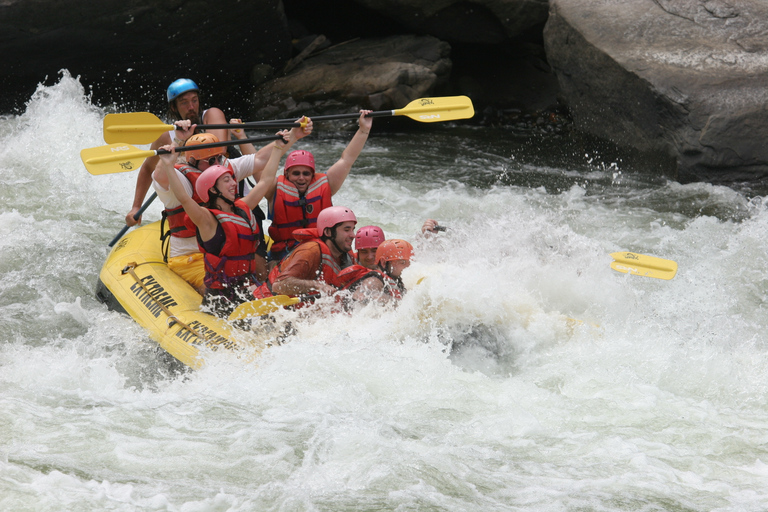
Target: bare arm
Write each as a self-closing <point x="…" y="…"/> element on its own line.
<point x="295" y="135"/>
<point x="239" y="133"/>
<point x="267" y="178"/>
<point x="340" y="170"/>
<point x="296" y="286"/>
<point x="216" y="116"/>
<point x="202" y="217"/>
<point x="144" y="180"/>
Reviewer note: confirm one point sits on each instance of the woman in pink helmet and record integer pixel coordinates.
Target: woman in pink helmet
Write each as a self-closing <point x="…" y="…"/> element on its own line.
<point x="300" y="194"/>
<point x="227" y="232"/>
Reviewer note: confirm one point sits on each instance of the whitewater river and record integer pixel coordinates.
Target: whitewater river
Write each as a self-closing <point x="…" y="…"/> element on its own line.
<point x="521" y="374"/>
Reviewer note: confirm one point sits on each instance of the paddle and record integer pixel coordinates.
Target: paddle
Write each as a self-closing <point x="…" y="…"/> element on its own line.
<point x="135" y="217"/>
<point x="425" y="110"/>
<point x="261" y="307"/>
<point x="642" y="265"/>
<point x="123" y="157"/>
<point x="144" y="127"/>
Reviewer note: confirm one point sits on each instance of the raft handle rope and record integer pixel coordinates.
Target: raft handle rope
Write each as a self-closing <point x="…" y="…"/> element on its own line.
<point x="172" y="319"/>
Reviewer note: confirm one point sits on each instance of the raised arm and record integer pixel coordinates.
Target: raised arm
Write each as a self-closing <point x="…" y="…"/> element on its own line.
<point x="296" y="134"/>
<point x="202" y="217"/>
<point x="340" y="170"/>
<point x="267" y="179"/>
<point x="239" y="133"/>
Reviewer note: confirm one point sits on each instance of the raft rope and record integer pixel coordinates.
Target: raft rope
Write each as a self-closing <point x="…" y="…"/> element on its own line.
<point x="172" y="319"/>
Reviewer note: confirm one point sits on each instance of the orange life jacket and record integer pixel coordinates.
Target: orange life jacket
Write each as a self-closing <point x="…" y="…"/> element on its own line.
<point x="290" y="210"/>
<point x="235" y="263"/>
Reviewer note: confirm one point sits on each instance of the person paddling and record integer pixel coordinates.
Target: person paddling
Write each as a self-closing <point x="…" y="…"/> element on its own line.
<point x="226" y="230"/>
<point x="184" y="103"/>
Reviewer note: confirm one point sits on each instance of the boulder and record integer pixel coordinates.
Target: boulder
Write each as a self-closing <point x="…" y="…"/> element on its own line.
<point x="380" y="74"/>
<point x="685" y="81"/>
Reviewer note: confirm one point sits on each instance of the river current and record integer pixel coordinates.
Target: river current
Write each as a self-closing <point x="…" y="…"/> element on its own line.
<point x="521" y="373"/>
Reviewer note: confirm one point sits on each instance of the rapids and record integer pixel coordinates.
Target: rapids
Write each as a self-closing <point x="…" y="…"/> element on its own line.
<point x="479" y="392"/>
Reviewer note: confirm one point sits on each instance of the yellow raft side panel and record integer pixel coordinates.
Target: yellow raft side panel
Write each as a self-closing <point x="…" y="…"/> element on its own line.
<point x="141" y="250"/>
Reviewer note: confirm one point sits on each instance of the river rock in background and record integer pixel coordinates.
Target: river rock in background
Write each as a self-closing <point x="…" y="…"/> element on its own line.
<point x="121" y="45"/>
<point x="380" y="74"/>
<point x="685" y="81"/>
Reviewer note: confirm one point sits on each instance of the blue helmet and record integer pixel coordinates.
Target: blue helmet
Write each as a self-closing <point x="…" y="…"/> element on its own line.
<point x="179" y="87"/>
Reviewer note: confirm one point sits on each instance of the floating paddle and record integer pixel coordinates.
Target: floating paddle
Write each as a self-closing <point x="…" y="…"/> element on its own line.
<point x="144" y="127"/>
<point x="261" y="307"/>
<point x="642" y="265"/>
<point x="123" y="157"/>
<point x="425" y="110"/>
<point x="135" y="217"/>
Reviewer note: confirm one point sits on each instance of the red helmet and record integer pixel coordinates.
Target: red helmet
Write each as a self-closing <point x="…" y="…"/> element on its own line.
<point x="330" y="217"/>
<point x="300" y="157"/>
<point x="368" y="237"/>
<point x="391" y="250"/>
<point x="208" y="179"/>
<point x="203" y="154"/>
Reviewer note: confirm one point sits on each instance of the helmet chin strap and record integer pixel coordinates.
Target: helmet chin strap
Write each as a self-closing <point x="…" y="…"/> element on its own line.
<point x="218" y="195"/>
<point x="332" y="238"/>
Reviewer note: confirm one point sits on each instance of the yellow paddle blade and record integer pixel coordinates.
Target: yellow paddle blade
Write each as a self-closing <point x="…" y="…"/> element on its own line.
<point x="261" y="307"/>
<point x="134" y="128"/>
<point x="114" y="158"/>
<point x="434" y="110"/>
<point x="642" y="265"/>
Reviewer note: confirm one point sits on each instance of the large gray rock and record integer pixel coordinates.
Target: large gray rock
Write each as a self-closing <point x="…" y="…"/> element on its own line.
<point x="685" y="81"/>
<point x="380" y="74"/>
<point x="479" y="21"/>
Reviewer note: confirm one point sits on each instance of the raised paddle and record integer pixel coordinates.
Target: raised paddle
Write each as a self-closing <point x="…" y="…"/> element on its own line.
<point x="425" y="110"/>
<point x="144" y="127"/>
<point x="642" y="265"/>
<point x="135" y="217"/>
<point x="123" y="157"/>
<point x="261" y="307"/>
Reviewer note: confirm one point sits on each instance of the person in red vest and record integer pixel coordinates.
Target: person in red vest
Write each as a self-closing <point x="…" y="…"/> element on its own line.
<point x="226" y="229"/>
<point x="322" y="264"/>
<point x="184" y="103"/>
<point x="300" y="194"/>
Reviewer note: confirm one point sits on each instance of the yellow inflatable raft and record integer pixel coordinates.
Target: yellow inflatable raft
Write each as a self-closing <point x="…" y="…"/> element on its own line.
<point x="135" y="280"/>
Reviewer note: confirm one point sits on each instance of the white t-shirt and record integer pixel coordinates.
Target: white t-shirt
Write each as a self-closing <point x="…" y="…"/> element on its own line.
<point x="243" y="167"/>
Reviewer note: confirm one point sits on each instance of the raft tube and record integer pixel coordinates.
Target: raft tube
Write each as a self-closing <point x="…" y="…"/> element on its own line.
<point x="135" y="280"/>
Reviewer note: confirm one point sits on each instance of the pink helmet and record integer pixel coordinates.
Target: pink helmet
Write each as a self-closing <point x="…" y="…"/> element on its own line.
<point x="368" y="237"/>
<point x="300" y="157"/>
<point x="332" y="216"/>
<point x="208" y="179"/>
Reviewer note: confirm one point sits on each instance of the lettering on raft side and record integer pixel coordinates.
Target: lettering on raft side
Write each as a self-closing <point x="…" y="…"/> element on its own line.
<point x="156" y="298"/>
<point x="211" y="337"/>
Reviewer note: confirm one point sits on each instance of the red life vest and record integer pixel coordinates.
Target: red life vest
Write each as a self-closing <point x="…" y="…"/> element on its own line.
<point x="290" y="210"/>
<point x="235" y="262"/>
<point x="177" y="225"/>
<point x="330" y="272"/>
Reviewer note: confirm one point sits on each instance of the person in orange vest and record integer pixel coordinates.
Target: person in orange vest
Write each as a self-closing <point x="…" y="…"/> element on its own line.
<point x="300" y="194"/>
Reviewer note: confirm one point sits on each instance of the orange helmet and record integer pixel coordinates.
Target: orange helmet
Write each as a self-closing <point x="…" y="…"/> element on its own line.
<point x="203" y="154"/>
<point x="391" y="250"/>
